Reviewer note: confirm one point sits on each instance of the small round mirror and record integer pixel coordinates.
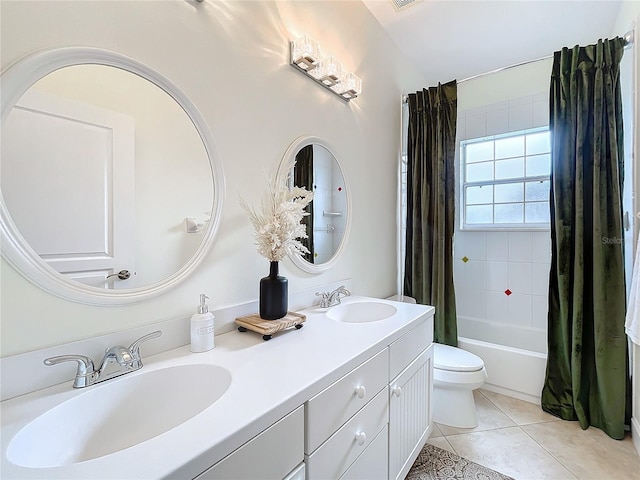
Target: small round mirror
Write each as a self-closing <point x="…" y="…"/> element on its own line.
<point x="317" y="169"/>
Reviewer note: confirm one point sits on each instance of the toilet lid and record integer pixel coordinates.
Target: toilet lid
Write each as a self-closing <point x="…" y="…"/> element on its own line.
<point x="455" y="359"/>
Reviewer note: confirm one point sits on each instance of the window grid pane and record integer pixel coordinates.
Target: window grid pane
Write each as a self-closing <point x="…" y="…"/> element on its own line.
<point x="479" y="152"/>
<point x="537" y="212"/>
<point x="510" y="147"/>
<point x="538" y="165"/>
<point x="506" y="179"/>
<point x="509" y="193"/>
<point x="481" y="194"/>
<point x="508" y="169"/>
<point x="537" y="191"/>
<point x="478" y="172"/>
<point x="508" y="213"/>
<point x="538" y="143"/>
<point x="479" y="214"/>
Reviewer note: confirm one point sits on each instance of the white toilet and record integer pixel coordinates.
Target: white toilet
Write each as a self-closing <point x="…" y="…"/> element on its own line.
<point x="456" y="374"/>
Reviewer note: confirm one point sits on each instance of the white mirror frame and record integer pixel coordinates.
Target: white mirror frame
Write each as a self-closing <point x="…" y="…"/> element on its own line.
<point x="289" y="156"/>
<point x="15" y="81"/>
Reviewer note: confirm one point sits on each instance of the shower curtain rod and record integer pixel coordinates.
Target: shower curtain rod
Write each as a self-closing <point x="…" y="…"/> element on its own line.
<point x="628" y="43"/>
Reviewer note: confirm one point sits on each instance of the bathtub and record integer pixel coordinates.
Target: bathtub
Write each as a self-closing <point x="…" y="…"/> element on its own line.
<point x="511" y="371"/>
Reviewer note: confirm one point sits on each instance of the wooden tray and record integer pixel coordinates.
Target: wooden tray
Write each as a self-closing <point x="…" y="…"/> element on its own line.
<point x="268" y="327"/>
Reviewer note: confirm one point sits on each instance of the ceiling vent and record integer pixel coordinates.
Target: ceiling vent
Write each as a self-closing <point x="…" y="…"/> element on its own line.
<point x="400" y="4"/>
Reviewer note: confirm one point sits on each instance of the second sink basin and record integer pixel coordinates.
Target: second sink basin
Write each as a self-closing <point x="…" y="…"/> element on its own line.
<point x="361" y="312"/>
<point x="118" y="414"/>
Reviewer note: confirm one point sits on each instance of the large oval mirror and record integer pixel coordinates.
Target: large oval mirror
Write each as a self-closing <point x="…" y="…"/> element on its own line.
<point x="111" y="184"/>
<point x="327" y="225"/>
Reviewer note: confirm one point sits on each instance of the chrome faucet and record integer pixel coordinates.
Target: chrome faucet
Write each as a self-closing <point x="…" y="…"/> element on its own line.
<point x="329" y="299"/>
<point x="126" y="360"/>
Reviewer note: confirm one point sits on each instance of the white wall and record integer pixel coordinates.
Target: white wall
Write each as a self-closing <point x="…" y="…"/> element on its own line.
<point x="508" y="101"/>
<point x="231" y="60"/>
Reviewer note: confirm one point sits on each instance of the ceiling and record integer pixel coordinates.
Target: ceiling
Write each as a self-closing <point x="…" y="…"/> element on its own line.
<point x="457" y="39"/>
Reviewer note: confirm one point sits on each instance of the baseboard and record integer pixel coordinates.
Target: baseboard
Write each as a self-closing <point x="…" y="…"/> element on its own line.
<point x="535" y="399"/>
<point x="635" y="433"/>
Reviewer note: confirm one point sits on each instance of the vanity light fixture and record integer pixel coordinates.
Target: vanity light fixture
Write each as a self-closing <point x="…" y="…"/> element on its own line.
<point x="327" y="71"/>
<point x="350" y="87"/>
<point x="305" y="53"/>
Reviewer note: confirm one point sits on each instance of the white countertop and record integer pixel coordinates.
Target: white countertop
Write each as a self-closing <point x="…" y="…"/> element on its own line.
<point x="269" y="379"/>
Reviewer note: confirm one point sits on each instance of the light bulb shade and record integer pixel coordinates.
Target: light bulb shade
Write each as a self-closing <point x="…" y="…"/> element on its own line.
<point x="350" y="87"/>
<point x="305" y="53"/>
<point x="329" y="71"/>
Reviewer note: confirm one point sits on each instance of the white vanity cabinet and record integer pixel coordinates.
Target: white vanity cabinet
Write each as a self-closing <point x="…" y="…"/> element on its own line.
<point x="410" y="393"/>
<point x="274" y="454"/>
<point x="372" y="423"/>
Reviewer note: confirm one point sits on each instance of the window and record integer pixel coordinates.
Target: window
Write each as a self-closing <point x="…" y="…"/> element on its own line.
<point x="505" y="180"/>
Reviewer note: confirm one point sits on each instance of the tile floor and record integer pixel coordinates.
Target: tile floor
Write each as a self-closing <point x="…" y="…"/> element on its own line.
<point x="520" y="440"/>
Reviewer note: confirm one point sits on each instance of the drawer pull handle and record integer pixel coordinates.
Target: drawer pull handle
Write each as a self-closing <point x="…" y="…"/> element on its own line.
<point x="397" y="391"/>
<point x="361" y="391"/>
<point x="361" y="437"/>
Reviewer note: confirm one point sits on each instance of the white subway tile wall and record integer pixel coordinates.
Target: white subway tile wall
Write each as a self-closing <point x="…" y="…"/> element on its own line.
<point x="497" y="246"/>
<point x="520" y="246"/>
<point x="497" y="306"/>
<point x="497" y="276"/>
<point x="521" y="277"/>
<point x="497" y="121"/>
<point x="476" y="124"/>
<point x="502" y="277"/>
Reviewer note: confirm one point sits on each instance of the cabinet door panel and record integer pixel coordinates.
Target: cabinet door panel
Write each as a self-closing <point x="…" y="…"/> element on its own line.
<point x="410" y="413"/>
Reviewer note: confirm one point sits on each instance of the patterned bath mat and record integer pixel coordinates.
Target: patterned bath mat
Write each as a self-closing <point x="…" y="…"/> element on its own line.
<point x="434" y="463"/>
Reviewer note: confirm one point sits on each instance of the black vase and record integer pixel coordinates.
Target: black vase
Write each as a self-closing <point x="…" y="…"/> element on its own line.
<point x="274" y="297"/>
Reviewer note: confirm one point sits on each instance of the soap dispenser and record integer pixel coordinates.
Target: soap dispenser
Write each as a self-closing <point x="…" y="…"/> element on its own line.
<point x="202" y="330"/>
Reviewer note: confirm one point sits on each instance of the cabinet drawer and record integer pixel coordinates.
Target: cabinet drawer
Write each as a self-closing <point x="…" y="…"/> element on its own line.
<point x="335" y="456"/>
<point x="405" y="349"/>
<point x="272" y="455"/>
<point x="328" y="410"/>
<point x="372" y="464"/>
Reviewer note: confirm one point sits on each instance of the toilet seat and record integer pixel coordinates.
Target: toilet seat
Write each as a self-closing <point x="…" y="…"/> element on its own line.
<point x="455" y="359"/>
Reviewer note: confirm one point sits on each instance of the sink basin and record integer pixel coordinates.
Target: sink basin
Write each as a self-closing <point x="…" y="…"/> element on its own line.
<point x="117" y="414"/>
<point x="361" y="312"/>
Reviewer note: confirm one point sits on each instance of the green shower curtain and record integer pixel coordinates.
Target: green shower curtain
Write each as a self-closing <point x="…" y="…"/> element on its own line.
<point x="431" y="205"/>
<point x="586" y="376"/>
